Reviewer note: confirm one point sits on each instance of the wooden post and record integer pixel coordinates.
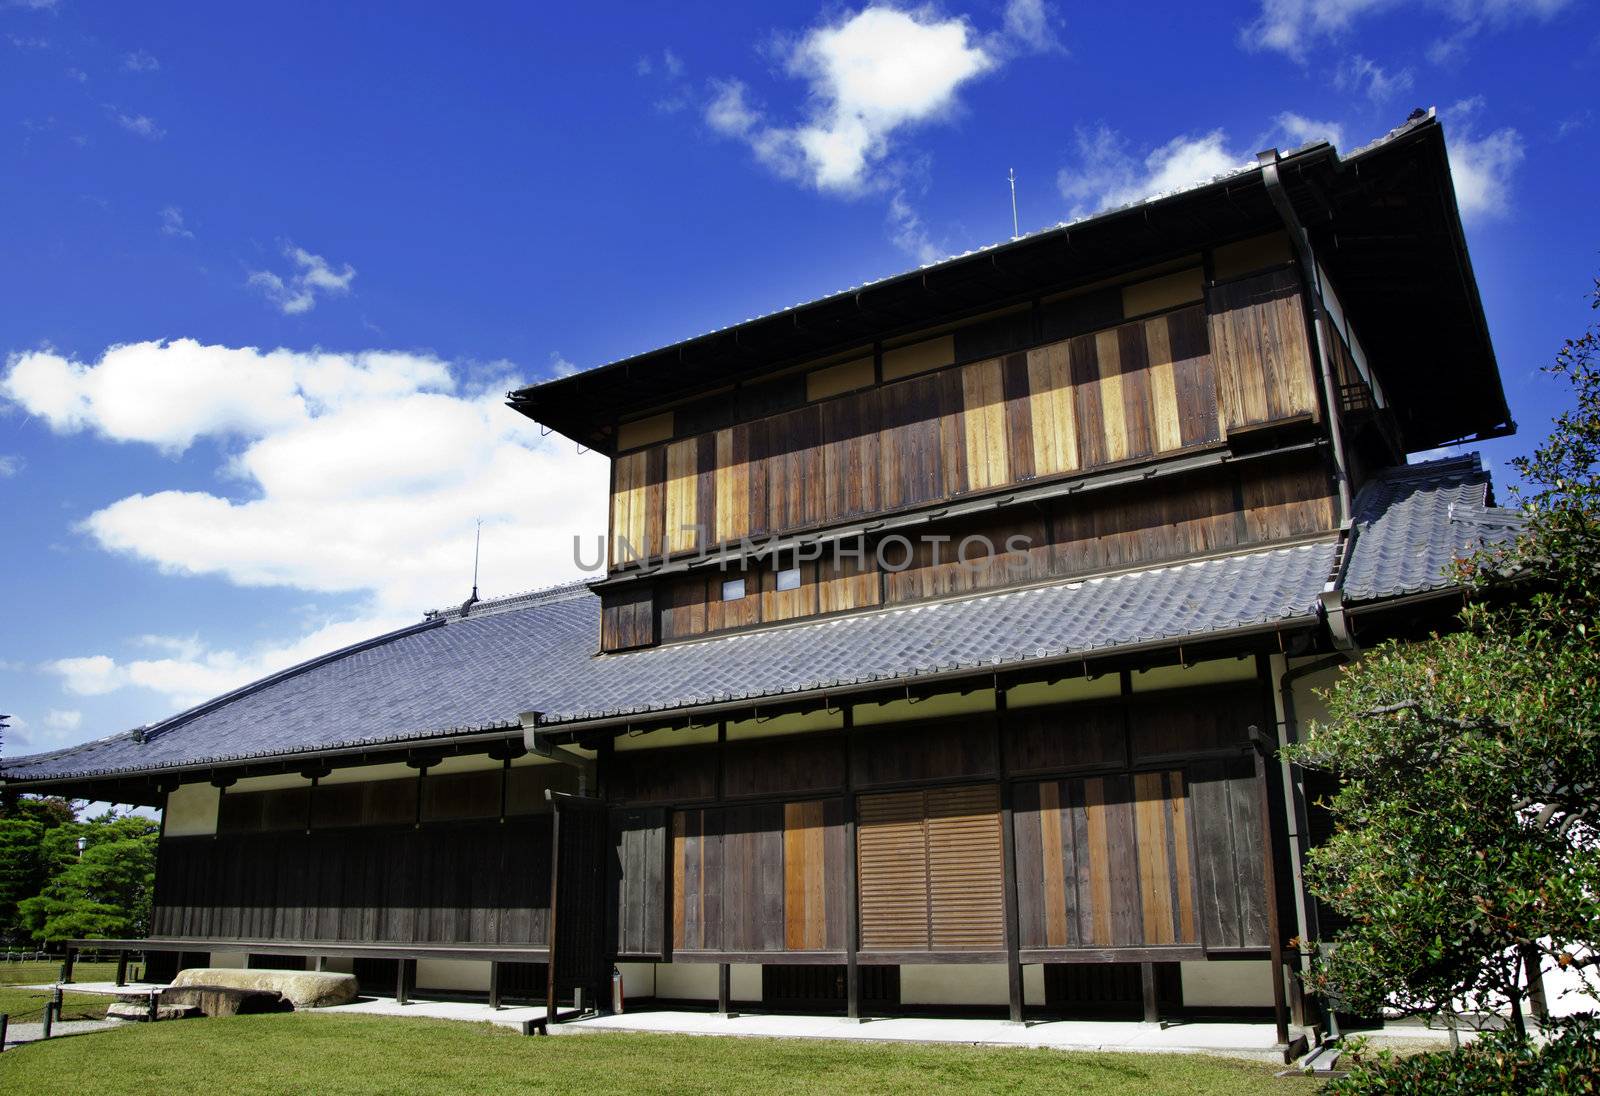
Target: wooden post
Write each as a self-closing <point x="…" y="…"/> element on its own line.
<point x="1147" y="987"/>
<point x="66" y="964"/>
<point x="5" y="1021"/>
<point x="852" y="901"/>
<point x="1280" y="1010"/>
<point x="322" y="963"/>
<point x="494" y="985"/>
<point x="1537" y="1002"/>
<point x="724" y="980"/>
<point x="402" y="982"/>
<point x="1008" y="859"/>
<point x="122" y="968"/>
<point x="555" y="891"/>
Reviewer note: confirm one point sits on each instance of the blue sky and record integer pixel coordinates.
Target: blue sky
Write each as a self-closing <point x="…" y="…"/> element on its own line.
<point x="267" y="270"/>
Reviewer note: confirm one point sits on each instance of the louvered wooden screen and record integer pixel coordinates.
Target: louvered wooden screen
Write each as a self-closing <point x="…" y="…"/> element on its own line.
<point x="931" y="875"/>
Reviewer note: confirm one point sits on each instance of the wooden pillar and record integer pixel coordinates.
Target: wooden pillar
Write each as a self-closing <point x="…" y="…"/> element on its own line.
<point x="1280" y="1010"/>
<point x="1147" y="987"/>
<point x="122" y="968"/>
<point x="494" y="985"/>
<point x="402" y="981"/>
<point x="66" y="964"/>
<point x="1008" y="857"/>
<point x="724" y="980"/>
<point x="322" y="963"/>
<point x="852" y="901"/>
<point x="1537" y="1003"/>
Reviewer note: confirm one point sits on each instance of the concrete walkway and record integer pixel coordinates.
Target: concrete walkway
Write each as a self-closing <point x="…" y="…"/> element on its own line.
<point x="17" y="1034"/>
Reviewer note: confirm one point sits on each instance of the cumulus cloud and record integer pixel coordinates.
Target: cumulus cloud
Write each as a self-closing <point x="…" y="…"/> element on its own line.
<point x="345" y="473"/>
<point x="1106" y="174"/>
<point x="1292" y="27"/>
<point x="140" y="61"/>
<point x="869" y="76"/>
<point x="297" y="292"/>
<point x="1365" y="76"/>
<point x="172" y="223"/>
<point x="1481" y="164"/>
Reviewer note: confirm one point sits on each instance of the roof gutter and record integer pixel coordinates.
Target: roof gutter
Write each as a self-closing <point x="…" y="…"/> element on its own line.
<point x="1308" y="273"/>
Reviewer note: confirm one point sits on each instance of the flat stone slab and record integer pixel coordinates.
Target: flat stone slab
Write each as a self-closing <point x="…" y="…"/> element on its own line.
<point x="301" y="988"/>
<point x="139" y="1011"/>
<point x="224" y="1000"/>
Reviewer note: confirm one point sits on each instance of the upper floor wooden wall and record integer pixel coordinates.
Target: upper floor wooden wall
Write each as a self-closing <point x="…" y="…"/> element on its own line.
<point x="1221" y="359"/>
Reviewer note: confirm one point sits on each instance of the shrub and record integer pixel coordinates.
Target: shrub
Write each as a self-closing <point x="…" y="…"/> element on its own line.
<point x="1496" y="1062"/>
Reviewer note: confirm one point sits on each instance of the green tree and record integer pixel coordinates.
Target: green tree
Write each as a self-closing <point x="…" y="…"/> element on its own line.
<point x="23" y="868"/>
<point x="104" y="892"/>
<point x="1466" y="842"/>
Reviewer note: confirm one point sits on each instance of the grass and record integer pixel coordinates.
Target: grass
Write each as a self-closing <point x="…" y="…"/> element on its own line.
<point x="242" y="1055"/>
<point x="26" y="1006"/>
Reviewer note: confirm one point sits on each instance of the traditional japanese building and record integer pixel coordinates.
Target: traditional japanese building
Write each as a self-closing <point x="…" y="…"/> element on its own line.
<point x="948" y="631"/>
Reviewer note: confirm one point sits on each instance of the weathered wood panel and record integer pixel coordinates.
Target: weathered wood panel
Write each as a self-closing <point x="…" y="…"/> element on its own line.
<point x="760" y="877"/>
<point x="941" y="750"/>
<point x="1228" y="835"/>
<point x="1104" y="862"/>
<point x="362" y="884"/>
<point x="638" y="883"/>
<point x="1261" y="349"/>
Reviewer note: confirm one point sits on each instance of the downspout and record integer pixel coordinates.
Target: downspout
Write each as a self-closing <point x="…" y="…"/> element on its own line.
<point x="1308" y="274"/>
<point x="537" y="743"/>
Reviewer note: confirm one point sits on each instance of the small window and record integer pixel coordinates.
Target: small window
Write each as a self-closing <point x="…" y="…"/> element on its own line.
<point x="733" y="589"/>
<point x="789" y="578"/>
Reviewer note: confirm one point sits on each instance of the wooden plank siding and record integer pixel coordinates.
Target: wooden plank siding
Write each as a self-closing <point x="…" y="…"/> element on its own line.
<point x="462" y="883"/>
<point x="1223" y="510"/>
<point x="1131" y="391"/>
<point x="759" y="878"/>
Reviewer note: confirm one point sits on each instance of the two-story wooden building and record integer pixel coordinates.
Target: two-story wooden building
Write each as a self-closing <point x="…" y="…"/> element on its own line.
<point x="948" y="630"/>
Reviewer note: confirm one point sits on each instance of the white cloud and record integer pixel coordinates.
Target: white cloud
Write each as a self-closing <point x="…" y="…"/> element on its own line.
<point x="140" y="125"/>
<point x="297" y="293"/>
<point x="77" y="74"/>
<point x="1107" y="175"/>
<point x="360" y="474"/>
<point x="58" y="719"/>
<point x="1363" y="75"/>
<point x="11" y="465"/>
<point x="1031" y="24"/>
<point x="140" y="61"/>
<point x="28" y="42"/>
<point x="1481" y="165"/>
<point x="909" y="233"/>
<point x="172" y="223"/>
<point x="1301" y="130"/>
<point x="869" y="75"/>
<point x="1293" y="26"/>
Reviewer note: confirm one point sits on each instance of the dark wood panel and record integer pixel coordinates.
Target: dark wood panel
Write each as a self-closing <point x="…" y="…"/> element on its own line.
<point x="771" y="766"/>
<point x="1193" y="721"/>
<point x="485" y="883"/>
<point x="1065" y="737"/>
<point x="932" y="751"/>
<point x="667" y="775"/>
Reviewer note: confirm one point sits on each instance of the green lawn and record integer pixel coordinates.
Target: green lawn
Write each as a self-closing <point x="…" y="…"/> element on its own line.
<point x="372" y="1054"/>
<point x="27" y="1006"/>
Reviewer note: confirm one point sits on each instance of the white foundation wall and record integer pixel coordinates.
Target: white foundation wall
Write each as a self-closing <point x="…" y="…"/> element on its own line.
<point x="1032" y="985"/>
<point x="956" y="984"/>
<point x="191" y="811"/>
<point x="229" y="960"/>
<point x="698" y="981"/>
<point x="469" y="975"/>
<point x="1242" y="983"/>
<point x="638" y="980"/>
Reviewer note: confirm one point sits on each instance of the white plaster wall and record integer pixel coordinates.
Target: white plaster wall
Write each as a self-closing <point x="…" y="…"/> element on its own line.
<point x="453" y="974"/>
<point x="689" y="981"/>
<point x="1033" y="984"/>
<point x="229" y="960"/>
<point x="191" y="810"/>
<point x="744" y="981"/>
<point x="1199" y="673"/>
<point x="956" y="984"/>
<point x="269" y="783"/>
<point x="638" y="980"/>
<point x="1243" y="983"/>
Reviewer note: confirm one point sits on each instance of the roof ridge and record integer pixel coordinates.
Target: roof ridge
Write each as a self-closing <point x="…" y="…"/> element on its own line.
<point x="536" y="596"/>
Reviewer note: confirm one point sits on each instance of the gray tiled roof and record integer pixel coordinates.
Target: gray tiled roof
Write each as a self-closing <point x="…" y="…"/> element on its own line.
<point x="1412" y="522"/>
<point x="536" y="652"/>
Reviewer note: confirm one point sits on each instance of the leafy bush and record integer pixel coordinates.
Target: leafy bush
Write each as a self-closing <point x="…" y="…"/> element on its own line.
<point x="1496" y="1062"/>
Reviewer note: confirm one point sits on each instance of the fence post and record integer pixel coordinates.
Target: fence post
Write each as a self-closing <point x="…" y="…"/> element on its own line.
<point x="5" y="1022"/>
<point x="49" y="1008"/>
